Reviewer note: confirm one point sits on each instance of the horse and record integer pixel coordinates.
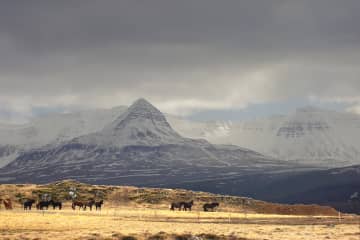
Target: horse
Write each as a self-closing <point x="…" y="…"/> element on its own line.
<point x="7" y="204"/>
<point x="98" y="204"/>
<point x="77" y="203"/>
<point x="187" y="205"/>
<point x="89" y="204"/>
<point x="56" y="204"/>
<point x="211" y="206"/>
<point x="174" y="205"/>
<point x="28" y="204"/>
<point x="43" y="204"/>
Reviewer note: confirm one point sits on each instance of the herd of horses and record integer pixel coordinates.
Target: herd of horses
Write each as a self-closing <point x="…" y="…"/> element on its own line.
<point x="44" y="205"/>
<point x="89" y="204"/>
<point x="186" y="206"/>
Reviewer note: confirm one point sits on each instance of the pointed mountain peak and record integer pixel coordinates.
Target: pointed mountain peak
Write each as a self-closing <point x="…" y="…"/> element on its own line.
<point x="142" y="101"/>
<point x="141" y="124"/>
<point x="143" y="105"/>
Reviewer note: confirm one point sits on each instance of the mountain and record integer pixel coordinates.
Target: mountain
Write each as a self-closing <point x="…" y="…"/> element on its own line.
<point x="309" y="136"/>
<point x="138" y="146"/>
<point x="51" y="129"/>
<point x="142" y="124"/>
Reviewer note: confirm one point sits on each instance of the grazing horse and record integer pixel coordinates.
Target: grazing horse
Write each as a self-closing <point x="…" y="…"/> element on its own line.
<point x="89" y="204"/>
<point x="211" y="206"/>
<point x="77" y="203"/>
<point x="28" y="204"/>
<point x="7" y="204"/>
<point x="98" y="204"/>
<point x="43" y="205"/>
<point x="56" y="204"/>
<point x="187" y="205"/>
<point x="174" y="205"/>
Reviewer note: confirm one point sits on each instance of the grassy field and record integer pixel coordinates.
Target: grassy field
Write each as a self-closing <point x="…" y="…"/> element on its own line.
<point x="143" y="213"/>
<point x="134" y="222"/>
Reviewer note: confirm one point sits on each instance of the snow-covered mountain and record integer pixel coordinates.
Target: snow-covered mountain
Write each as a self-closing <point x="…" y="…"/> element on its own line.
<point x="309" y="135"/>
<point x="141" y="124"/>
<point x="139" y="140"/>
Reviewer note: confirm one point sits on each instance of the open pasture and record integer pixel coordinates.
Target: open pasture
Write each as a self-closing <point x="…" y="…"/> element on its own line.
<point x="152" y="223"/>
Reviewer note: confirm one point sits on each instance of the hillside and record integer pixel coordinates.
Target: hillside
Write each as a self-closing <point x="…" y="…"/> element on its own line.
<point x="332" y="187"/>
<point x="155" y="198"/>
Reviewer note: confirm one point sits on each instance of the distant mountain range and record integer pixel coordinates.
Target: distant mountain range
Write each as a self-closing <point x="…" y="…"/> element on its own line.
<point x="139" y="145"/>
<point x="307" y="136"/>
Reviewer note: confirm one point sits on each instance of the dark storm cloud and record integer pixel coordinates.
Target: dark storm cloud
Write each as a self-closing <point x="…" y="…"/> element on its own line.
<point x="180" y="54"/>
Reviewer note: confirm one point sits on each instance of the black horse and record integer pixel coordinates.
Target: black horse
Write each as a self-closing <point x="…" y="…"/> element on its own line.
<point x="43" y="205"/>
<point x="211" y="206"/>
<point x="77" y="204"/>
<point x="98" y="204"/>
<point x="56" y="204"/>
<point x="28" y="204"/>
<point x="187" y="205"/>
<point x="89" y="204"/>
<point x="175" y="205"/>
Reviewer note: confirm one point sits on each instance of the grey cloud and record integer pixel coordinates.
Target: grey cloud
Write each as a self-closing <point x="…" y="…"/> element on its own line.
<point x="207" y="52"/>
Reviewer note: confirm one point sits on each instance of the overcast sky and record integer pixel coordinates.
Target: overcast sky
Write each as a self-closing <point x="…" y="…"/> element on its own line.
<point x="187" y="57"/>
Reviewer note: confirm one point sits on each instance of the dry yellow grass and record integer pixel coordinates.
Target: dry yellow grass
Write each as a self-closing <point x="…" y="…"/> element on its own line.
<point x="143" y="213"/>
<point x="112" y="223"/>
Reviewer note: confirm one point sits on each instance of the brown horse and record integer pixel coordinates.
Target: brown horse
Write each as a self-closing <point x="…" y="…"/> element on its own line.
<point x="89" y="204"/>
<point x="77" y="204"/>
<point x="7" y="204"/>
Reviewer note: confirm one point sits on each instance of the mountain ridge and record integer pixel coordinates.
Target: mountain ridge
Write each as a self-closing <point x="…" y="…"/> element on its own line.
<point x="142" y="140"/>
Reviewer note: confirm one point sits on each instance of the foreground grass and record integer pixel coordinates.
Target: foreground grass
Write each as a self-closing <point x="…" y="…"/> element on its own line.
<point x="145" y="223"/>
